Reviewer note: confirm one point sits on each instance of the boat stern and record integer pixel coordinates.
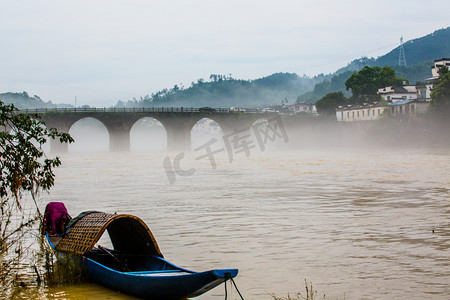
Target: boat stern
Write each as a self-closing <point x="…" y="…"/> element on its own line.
<point x="225" y="273"/>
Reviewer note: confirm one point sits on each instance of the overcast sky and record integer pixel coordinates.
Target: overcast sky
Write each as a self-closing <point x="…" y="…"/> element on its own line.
<point x="104" y="51"/>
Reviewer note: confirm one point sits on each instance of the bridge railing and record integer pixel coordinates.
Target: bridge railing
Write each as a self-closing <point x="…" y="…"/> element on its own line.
<point x="134" y="109"/>
<point x="146" y="109"/>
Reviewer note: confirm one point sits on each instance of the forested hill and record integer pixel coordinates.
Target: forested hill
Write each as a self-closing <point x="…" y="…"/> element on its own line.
<point x="420" y="54"/>
<point x="433" y="46"/>
<point x="24" y="101"/>
<point x="225" y="91"/>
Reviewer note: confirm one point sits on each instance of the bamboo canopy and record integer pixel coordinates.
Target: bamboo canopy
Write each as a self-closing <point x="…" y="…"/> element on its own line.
<point x="128" y="234"/>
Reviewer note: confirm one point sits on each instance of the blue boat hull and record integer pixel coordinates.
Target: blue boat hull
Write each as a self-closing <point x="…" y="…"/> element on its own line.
<point x="162" y="284"/>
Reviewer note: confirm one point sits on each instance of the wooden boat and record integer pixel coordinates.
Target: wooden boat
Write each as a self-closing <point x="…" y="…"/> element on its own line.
<point x="135" y="265"/>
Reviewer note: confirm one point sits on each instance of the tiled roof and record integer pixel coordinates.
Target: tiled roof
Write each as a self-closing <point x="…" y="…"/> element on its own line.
<point x="402" y="102"/>
<point x="357" y="106"/>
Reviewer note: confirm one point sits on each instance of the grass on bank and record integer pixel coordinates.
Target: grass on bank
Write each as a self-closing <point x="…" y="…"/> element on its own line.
<point x="310" y="294"/>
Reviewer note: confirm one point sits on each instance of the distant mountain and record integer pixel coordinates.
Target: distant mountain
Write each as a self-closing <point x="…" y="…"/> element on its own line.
<point x="428" y="48"/>
<point x="420" y="55"/>
<point x="425" y="49"/>
<point x="24" y="101"/>
<point x="224" y="91"/>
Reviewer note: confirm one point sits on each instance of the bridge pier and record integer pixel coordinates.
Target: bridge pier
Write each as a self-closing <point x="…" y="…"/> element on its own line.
<point x="119" y="141"/>
<point x="178" y="139"/>
<point x="178" y="132"/>
<point x="119" y="127"/>
<point x="55" y="145"/>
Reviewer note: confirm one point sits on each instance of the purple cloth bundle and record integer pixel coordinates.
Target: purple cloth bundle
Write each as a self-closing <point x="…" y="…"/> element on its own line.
<point x="56" y="218"/>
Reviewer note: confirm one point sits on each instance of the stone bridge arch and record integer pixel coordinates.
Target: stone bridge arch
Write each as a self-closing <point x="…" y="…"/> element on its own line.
<point x="62" y="122"/>
<point x="143" y="134"/>
<point x="178" y="125"/>
<point x="90" y="134"/>
<point x="205" y="130"/>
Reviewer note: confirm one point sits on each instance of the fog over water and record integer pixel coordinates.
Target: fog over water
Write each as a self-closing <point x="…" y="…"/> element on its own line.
<point x="356" y="222"/>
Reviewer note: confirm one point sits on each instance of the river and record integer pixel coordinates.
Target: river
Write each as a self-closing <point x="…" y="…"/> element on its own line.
<point x="357" y="224"/>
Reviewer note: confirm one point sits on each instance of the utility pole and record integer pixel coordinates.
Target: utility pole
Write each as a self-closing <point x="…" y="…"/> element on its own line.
<point x="401" y="54"/>
<point x="75" y="101"/>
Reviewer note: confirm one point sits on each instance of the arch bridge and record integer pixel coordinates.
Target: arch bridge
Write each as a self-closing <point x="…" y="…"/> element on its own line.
<point x="178" y="123"/>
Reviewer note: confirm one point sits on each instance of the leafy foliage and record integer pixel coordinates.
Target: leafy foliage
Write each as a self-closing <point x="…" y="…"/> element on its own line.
<point x="367" y="81"/>
<point x="24" y="168"/>
<point x="364" y="85"/>
<point x="20" y="166"/>
<point x="440" y="95"/>
<point x="327" y="105"/>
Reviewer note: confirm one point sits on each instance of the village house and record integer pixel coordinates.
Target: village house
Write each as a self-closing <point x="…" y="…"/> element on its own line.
<point x="439" y="63"/>
<point x="398" y="93"/>
<point x="424" y="88"/>
<point x="299" y="108"/>
<point x="424" y="91"/>
<point x="408" y="110"/>
<point x="365" y="112"/>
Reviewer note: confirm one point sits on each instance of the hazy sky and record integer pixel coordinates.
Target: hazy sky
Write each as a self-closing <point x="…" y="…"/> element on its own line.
<point x="104" y="51"/>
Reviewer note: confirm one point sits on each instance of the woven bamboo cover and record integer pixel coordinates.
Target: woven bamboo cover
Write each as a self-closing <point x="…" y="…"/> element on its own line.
<point x="85" y="233"/>
<point x="126" y="232"/>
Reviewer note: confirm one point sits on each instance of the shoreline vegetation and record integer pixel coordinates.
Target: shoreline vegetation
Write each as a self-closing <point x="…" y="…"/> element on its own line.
<point x="310" y="294"/>
<point x="26" y="171"/>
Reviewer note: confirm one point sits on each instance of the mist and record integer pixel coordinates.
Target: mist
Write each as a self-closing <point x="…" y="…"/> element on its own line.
<point x="381" y="134"/>
<point x="90" y="135"/>
<point x="149" y="135"/>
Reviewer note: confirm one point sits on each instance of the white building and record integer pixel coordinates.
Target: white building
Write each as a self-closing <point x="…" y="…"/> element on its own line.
<point x="398" y="93"/>
<point x="299" y="108"/>
<point x="438" y="63"/>
<point x="365" y="112"/>
<point x="424" y="89"/>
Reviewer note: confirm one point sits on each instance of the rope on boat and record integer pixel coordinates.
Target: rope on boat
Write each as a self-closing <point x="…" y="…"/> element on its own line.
<point x="228" y="277"/>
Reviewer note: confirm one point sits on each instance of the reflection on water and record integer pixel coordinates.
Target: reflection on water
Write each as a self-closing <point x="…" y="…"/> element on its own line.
<point x="75" y="292"/>
<point x="85" y="291"/>
<point x="358" y="225"/>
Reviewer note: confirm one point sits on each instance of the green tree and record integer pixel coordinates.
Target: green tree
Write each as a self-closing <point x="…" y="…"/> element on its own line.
<point x="440" y="95"/>
<point x="366" y="82"/>
<point x="327" y="104"/>
<point x="24" y="169"/>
